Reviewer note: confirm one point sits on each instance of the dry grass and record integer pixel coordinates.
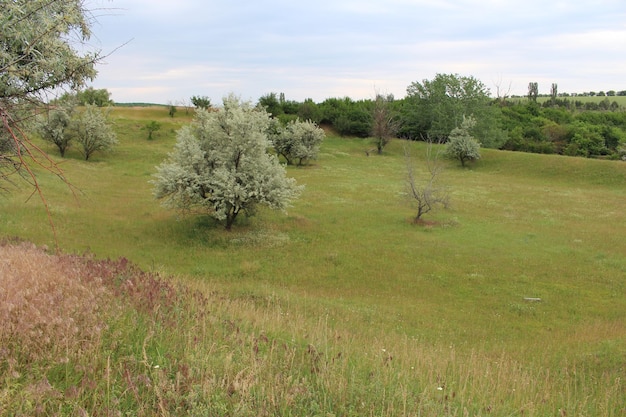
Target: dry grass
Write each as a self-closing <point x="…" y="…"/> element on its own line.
<point x="48" y="305"/>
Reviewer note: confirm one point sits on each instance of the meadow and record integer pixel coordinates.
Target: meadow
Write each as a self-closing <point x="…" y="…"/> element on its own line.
<point x="620" y="100"/>
<point x="344" y="306"/>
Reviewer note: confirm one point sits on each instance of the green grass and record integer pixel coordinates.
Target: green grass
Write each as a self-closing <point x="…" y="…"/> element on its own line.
<point x="347" y="260"/>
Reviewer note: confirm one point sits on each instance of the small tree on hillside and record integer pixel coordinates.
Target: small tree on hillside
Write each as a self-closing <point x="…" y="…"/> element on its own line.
<point x="93" y="132"/>
<point x="221" y="165"/>
<point x="53" y="127"/>
<point x="172" y="109"/>
<point x="384" y="123"/>
<point x="425" y="195"/>
<point x="461" y="144"/>
<point x="298" y="141"/>
<point x="152" y="126"/>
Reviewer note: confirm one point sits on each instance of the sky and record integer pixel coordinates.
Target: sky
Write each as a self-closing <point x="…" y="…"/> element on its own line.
<point x="166" y="51"/>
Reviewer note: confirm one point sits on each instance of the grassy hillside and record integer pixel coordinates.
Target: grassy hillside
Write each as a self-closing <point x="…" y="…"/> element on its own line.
<point x="347" y="272"/>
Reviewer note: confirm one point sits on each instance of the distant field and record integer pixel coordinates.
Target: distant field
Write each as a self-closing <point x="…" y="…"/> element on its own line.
<point x="521" y="226"/>
<point x="620" y="100"/>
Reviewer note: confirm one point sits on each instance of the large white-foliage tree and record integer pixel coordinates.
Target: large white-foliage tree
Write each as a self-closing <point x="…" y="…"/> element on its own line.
<point x="42" y="49"/>
<point x="221" y="165"/>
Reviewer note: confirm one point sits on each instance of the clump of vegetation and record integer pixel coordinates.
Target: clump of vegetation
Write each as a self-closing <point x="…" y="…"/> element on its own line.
<point x="152" y="127"/>
<point x="201" y="102"/>
<point x="297" y="141"/>
<point x="221" y="165"/>
<point x="461" y="144"/>
<point x="89" y="127"/>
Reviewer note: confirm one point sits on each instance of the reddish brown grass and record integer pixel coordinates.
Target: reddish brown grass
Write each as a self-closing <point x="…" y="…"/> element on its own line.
<point x="46" y="304"/>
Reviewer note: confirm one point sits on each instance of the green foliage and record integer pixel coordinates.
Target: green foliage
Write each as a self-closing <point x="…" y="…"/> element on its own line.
<point x="152" y="126"/>
<point x="348" y="117"/>
<point x="297" y="141"/>
<point x="92" y="131"/>
<point x="37" y="56"/>
<point x="220" y="164"/>
<point x="563" y="129"/>
<point x="433" y="108"/>
<point x="172" y="109"/>
<point x="533" y="91"/>
<point x="99" y="98"/>
<point x="201" y="102"/>
<point x="309" y="110"/>
<point x="271" y="104"/>
<point x="461" y="144"/>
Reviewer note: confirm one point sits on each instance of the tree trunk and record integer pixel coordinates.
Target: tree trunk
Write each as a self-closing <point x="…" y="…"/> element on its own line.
<point x="230" y="219"/>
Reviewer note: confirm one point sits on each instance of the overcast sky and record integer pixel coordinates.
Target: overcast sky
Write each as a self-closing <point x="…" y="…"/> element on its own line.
<point x="174" y="49"/>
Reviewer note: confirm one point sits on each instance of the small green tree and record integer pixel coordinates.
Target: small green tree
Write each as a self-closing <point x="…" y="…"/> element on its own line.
<point x="53" y="126"/>
<point x="152" y="127"/>
<point x="221" y="165"/>
<point x="461" y="144"/>
<point x="298" y="141"/>
<point x="201" y="102"/>
<point x="93" y="132"/>
<point x="172" y="110"/>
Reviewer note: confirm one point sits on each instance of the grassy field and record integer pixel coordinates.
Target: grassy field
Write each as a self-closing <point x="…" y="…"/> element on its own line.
<point x="620" y="100"/>
<point x="346" y="271"/>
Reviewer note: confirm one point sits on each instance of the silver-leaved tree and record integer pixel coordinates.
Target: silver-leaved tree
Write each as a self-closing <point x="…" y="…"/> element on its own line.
<point x="221" y="165"/>
<point x="38" y="55"/>
<point x="461" y="144"/>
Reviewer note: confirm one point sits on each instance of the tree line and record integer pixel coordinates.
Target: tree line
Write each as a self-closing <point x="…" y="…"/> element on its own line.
<point x="562" y="124"/>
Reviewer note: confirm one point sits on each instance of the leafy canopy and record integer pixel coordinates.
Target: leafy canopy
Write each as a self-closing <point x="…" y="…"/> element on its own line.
<point x="37" y="57"/>
<point x="221" y="165"/>
<point x="461" y="144"/>
<point x="92" y="131"/>
<point x="53" y="127"/>
<point x="434" y="107"/>
<point x="297" y="141"/>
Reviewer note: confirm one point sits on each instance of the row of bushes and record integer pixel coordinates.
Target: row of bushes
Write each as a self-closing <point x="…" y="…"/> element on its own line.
<point x="560" y="126"/>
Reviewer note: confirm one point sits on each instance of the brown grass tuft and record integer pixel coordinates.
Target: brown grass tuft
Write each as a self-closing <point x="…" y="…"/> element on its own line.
<point x="47" y="306"/>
